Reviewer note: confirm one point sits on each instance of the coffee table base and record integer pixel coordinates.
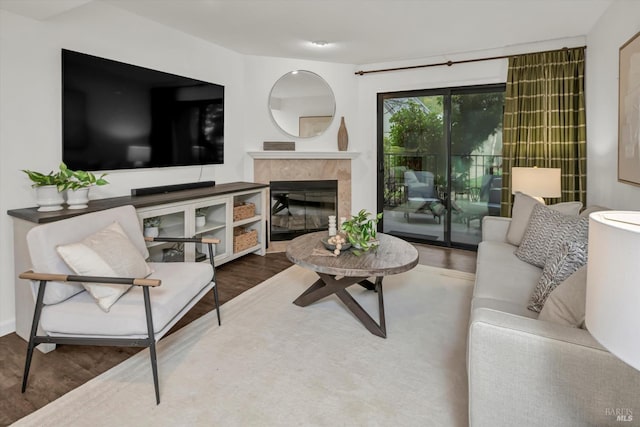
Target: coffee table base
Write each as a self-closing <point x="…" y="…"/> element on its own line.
<point x="328" y="285"/>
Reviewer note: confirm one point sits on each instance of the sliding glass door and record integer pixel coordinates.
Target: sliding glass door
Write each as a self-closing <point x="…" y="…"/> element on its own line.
<point x="439" y="154"/>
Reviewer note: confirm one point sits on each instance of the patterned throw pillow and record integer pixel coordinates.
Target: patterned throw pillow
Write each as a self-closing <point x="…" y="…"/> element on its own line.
<point x="570" y="257"/>
<point x="545" y="233"/>
<point x="523" y="205"/>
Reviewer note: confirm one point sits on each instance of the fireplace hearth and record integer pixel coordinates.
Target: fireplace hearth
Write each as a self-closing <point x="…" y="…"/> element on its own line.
<point x="300" y="207"/>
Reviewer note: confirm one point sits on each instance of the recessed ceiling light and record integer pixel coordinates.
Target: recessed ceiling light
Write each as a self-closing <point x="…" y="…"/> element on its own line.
<point x="320" y="43"/>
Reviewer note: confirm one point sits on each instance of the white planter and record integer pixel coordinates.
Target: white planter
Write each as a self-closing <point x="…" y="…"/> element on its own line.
<point x="49" y="198"/>
<point x="78" y="199"/>
<point x="151" y="231"/>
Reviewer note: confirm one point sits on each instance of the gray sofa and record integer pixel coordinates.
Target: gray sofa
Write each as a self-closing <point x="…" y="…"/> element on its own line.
<point x="528" y="372"/>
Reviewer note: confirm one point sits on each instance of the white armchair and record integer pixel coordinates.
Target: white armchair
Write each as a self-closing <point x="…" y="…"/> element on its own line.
<point x="83" y="268"/>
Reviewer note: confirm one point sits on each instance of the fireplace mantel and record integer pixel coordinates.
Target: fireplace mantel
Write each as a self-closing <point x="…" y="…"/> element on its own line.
<point x="262" y="155"/>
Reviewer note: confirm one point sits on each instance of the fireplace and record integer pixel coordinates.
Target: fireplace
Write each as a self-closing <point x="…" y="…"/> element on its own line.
<point x="300" y="207"/>
<point x="271" y="166"/>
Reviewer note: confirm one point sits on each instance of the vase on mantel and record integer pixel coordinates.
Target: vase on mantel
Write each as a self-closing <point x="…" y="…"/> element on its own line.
<point x="343" y="136"/>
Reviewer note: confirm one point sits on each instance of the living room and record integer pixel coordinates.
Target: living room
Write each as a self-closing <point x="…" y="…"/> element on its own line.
<point x="30" y="108"/>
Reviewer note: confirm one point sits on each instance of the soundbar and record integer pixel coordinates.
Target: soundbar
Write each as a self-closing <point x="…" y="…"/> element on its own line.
<point x="162" y="189"/>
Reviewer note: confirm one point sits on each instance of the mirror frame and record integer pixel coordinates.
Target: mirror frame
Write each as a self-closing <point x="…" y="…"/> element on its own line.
<point x="314" y="121"/>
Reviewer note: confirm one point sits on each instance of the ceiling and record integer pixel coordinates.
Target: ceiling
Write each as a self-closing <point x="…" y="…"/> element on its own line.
<point x="358" y="31"/>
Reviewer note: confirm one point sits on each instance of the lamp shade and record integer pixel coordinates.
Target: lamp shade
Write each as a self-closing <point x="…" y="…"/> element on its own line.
<point x="613" y="283"/>
<point x="537" y="182"/>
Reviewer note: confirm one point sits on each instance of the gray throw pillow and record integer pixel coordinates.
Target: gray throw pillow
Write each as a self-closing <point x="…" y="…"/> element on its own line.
<point x="566" y="303"/>
<point x="545" y="233"/>
<point x="570" y="257"/>
<point x="523" y="205"/>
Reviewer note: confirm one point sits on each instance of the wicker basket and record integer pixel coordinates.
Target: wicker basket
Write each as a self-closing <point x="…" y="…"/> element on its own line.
<point x="244" y="238"/>
<point x="243" y="211"/>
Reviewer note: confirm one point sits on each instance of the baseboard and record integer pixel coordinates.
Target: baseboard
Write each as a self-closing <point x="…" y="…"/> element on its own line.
<point x="7" y="327"/>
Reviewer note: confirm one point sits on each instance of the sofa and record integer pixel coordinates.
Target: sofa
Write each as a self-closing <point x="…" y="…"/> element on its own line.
<point x="526" y="371"/>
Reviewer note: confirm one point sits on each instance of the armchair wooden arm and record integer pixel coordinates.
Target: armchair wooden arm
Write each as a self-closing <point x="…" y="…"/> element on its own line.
<point x="211" y="240"/>
<point x="30" y="275"/>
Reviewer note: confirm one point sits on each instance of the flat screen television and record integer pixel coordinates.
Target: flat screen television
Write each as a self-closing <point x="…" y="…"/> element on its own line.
<point x="121" y="116"/>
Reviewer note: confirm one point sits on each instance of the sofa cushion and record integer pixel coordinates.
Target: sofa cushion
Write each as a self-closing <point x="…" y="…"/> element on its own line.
<point x="501" y="275"/>
<point x="566" y="303"/>
<point x="545" y="233"/>
<point x="503" y="306"/>
<point x="570" y="257"/>
<point x="523" y="205"/>
<point x="181" y="284"/>
<point x="106" y="253"/>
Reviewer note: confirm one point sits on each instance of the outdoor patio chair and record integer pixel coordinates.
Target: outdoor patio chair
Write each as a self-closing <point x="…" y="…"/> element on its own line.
<point x="421" y="196"/>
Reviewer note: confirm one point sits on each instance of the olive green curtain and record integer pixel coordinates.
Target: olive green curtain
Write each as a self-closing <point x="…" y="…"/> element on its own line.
<point x="545" y="120"/>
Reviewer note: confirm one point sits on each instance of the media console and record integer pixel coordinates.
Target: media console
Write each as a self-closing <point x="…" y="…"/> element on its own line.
<point x="177" y="212"/>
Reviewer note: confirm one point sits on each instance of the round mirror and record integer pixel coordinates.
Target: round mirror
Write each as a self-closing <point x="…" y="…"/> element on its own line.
<point x="302" y="104"/>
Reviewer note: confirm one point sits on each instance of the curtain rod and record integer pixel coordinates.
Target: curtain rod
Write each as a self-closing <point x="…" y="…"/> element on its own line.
<point x="462" y="61"/>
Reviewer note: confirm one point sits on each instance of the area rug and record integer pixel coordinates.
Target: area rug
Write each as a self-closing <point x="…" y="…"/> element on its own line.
<point x="272" y="363"/>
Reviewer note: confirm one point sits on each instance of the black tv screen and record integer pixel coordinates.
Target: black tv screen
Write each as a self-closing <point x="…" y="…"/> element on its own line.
<point x="121" y="116"/>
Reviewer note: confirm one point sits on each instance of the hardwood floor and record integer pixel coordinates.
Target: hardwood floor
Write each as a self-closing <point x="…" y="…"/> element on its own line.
<point x="68" y="367"/>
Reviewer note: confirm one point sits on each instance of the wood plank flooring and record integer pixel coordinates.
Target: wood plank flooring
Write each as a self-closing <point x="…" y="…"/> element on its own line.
<point x="68" y="367"/>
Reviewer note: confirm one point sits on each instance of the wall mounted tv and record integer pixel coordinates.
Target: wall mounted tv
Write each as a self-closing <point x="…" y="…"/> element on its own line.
<point x="121" y="116"/>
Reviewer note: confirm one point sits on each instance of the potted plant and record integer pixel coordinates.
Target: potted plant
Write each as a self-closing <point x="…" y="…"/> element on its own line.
<point x="78" y="184"/>
<point x="48" y="188"/>
<point x="361" y="231"/>
<point x="201" y="217"/>
<point x="151" y="226"/>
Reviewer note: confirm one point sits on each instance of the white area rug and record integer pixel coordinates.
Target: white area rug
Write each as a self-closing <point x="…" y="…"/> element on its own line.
<point x="272" y="363"/>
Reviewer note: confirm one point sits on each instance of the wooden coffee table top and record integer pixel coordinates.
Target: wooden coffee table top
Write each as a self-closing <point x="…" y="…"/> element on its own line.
<point x="391" y="257"/>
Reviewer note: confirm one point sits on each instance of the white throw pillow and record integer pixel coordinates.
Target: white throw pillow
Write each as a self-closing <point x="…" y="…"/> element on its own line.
<point x="107" y="253"/>
<point x="523" y="205"/>
<point x="566" y="303"/>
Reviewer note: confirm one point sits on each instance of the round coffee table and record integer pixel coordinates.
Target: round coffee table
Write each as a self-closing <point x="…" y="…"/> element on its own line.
<point x="336" y="273"/>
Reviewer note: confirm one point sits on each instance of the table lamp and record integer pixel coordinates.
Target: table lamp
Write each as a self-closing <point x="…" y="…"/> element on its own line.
<point x="613" y="283"/>
<point x="536" y="182"/>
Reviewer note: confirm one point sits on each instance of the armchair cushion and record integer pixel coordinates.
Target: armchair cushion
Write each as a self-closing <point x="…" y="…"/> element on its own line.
<point x="182" y="284"/>
<point x="107" y="253"/>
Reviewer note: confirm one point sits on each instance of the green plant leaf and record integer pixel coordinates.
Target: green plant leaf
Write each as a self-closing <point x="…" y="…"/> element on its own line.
<point x="361" y="231"/>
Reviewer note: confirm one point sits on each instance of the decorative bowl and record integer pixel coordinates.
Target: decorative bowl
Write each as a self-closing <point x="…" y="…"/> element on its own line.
<point x="331" y="246"/>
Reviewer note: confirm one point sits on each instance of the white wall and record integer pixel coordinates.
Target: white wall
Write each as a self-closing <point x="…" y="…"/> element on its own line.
<point x="618" y="24"/>
<point x="260" y="75"/>
<point x="30" y="104"/>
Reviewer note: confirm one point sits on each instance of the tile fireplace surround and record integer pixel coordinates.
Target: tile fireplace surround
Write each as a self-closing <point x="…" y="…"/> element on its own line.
<point x="303" y="166"/>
